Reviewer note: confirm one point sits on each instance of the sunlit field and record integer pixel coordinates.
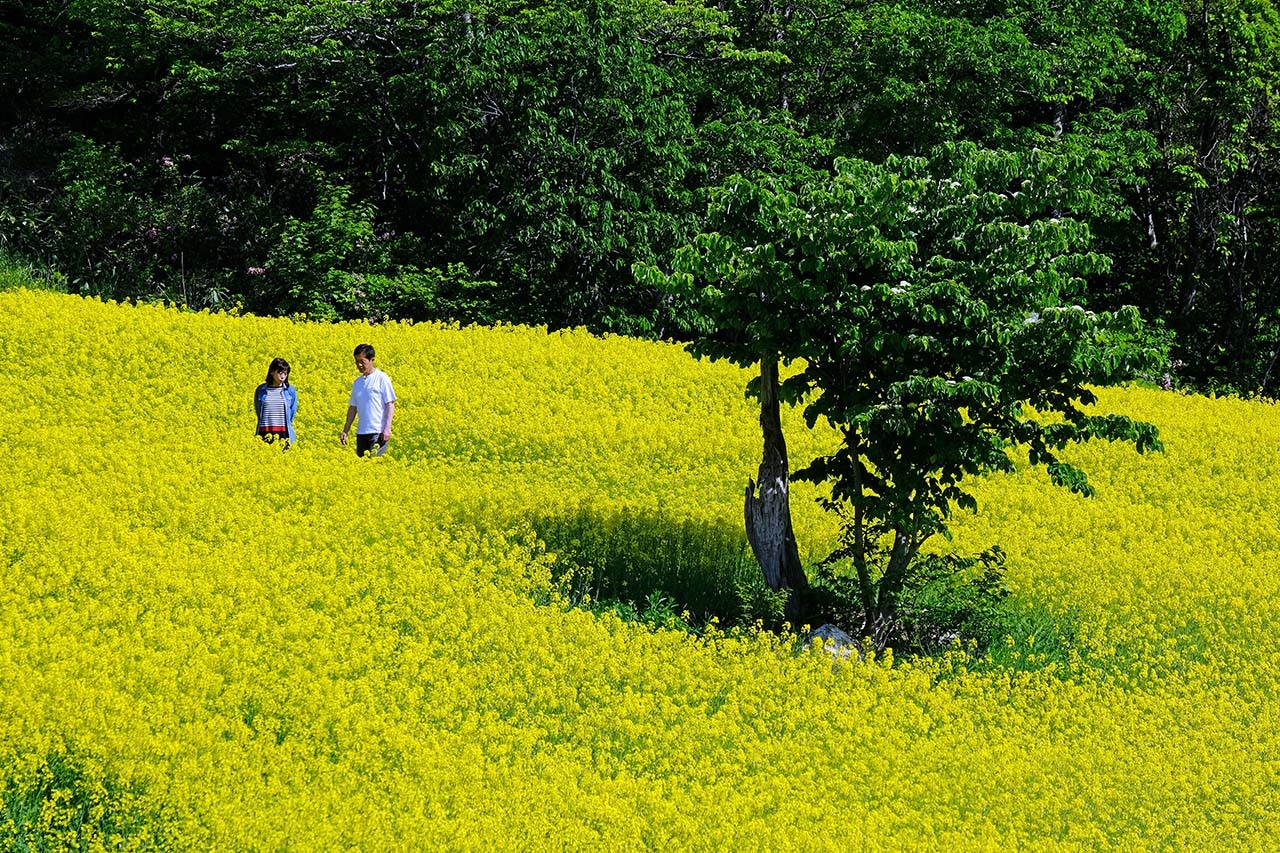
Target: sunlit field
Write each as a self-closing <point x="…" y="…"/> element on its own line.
<point x="209" y="644"/>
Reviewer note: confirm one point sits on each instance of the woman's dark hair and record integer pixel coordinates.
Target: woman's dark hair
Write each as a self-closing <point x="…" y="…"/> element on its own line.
<point x="365" y="350"/>
<point x="278" y="364"/>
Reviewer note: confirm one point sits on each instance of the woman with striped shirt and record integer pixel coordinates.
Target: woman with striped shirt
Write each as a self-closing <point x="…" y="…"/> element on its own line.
<point x="276" y="402"/>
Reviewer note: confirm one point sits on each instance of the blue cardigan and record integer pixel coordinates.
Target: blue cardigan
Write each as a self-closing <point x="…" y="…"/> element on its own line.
<point x="290" y="405"/>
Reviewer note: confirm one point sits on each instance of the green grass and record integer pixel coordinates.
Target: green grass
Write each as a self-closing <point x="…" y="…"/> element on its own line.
<point x="66" y="808"/>
<point x="15" y="274"/>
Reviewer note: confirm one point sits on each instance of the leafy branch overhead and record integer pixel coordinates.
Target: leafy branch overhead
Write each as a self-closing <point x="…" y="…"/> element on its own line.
<point x="928" y="304"/>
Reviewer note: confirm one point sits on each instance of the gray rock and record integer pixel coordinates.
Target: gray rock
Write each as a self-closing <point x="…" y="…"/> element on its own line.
<point x="834" y="641"/>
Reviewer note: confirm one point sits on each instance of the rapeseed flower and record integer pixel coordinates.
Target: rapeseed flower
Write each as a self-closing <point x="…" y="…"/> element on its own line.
<point x="238" y="648"/>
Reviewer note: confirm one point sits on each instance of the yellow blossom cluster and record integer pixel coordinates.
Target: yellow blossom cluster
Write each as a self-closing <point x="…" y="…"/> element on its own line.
<point x="244" y="648"/>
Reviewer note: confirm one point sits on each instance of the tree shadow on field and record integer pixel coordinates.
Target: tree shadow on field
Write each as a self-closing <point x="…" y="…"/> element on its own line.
<point x="653" y="568"/>
<point x="678" y="573"/>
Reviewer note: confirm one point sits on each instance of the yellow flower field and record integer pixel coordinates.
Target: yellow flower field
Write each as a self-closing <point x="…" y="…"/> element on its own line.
<point x="244" y="649"/>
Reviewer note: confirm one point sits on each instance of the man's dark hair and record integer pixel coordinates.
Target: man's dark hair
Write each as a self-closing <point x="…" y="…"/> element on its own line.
<point x="365" y="350"/>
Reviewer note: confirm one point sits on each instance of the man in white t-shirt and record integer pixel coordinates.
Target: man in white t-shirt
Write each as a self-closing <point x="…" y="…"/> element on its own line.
<point x="373" y="401"/>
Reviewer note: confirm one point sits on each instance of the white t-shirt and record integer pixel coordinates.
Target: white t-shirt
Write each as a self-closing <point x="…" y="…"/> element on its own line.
<point x="370" y="395"/>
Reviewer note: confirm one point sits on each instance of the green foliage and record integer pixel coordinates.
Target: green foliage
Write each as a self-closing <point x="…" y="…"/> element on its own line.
<point x="1207" y="265"/>
<point x="1029" y="638"/>
<point x="14" y="275"/>
<point x="945" y="600"/>
<point x="511" y="162"/>
<point x="946" y="597"/>
<point x="684" y="576"/>
<point x="105" y="219"/>
<point x="64" y="808"/>
<point x="926" y="304"/>
<point x="656" y="610"/>
<point x="559" y="155"/>
<point x="319" y="261"/>
<point x="336" y="265"/>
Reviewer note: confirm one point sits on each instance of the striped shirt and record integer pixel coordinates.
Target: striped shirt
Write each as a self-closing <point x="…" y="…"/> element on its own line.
<point x="273" y="418"/>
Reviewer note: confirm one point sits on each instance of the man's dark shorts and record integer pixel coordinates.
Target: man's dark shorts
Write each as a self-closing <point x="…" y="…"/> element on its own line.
<point x="369" y="443"/>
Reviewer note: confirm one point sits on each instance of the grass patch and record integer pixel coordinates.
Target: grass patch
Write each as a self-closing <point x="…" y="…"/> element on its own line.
<point x="15" y="275"/>
<point x="65" y="807"/>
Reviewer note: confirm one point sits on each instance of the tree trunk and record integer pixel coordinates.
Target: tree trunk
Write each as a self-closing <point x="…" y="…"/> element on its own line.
<point x="895" y="573"/>
<point x="768" y="514"/>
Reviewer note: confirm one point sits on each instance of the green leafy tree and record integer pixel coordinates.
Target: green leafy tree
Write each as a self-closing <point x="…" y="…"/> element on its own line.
<point x="1200" y="243"/>
<point x="555" y="151"/>
<point x="517" y="158"/>
<point x="926" y="308"/>
<point x="540" y="148"/>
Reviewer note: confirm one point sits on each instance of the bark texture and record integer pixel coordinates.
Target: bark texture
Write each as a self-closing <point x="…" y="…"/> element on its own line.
<point x="768" y="512"/>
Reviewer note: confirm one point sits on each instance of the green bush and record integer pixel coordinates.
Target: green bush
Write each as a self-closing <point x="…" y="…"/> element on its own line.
<point x="945" y="599"/>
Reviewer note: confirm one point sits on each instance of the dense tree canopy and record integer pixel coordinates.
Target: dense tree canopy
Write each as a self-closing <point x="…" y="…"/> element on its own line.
<point x="512" y="161"/>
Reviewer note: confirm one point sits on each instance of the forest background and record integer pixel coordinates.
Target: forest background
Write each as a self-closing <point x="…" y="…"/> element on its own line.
<point x="513" y="161"/>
